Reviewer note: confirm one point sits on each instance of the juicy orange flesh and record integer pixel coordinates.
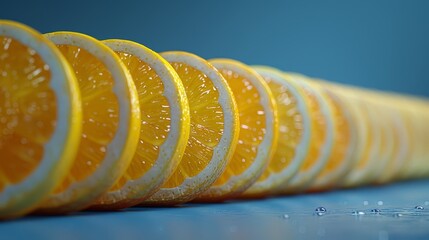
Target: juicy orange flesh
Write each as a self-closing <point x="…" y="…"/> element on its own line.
<point x="341" y="136"/>
<point x="155" y="117"/>
<point x="318" y="134"/>
<point x="252" y="125"/>
<point x="100" y="112"/>
<point x="290" y="129"/>
<point x="28" y="110"/>
<point x="207" y="123"/>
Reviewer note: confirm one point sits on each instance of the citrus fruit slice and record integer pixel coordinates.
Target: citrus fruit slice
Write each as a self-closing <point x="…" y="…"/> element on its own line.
<point x="344" y="149"/>
<point x="382" y="164"/>
<point x="322" y="138"/>
<point x="293" y="134"/>
<point x="362" y="171"/>
<point x="213" y="132"/>
<point x="423" y="130"/>
<point x="164" y="125"/>
<point x="416" y="165"/>
<point x="400" y="144"/>
<point x="40" y="118"/>
<point x="257" y="139"/>
<point x="111" y="122"/>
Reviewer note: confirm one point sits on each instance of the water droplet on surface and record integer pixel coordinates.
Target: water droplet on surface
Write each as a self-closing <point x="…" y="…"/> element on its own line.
<point x="426" y="203"/>
<point x="320" y="211"/>
<point x="380" y="203"/>
<point x="285" y="216"/>
<point x="358" y="213"/>
<point x="419" y="207"/>
<point x="375" y="211"/>
<point x="365" y="203"/>
<point x="397" y="215"/>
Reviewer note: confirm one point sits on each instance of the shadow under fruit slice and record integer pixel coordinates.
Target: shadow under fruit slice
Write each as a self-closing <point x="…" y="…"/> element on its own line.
<point x="40" y="118"/>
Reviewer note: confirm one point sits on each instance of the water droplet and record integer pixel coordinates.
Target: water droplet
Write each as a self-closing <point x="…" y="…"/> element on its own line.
<point x="397" y="215"/>
<point x="419" y="207"/>
<point x="426" y="203"/>
<point x="380" y="203"/>
<point x="365" y="203"/>
<point x="358" y="213"/>
<point x="285" y="216"/>
<point x="89" y="163"/>
<point x="375" y="211"/>
<point x="320" y="211"/>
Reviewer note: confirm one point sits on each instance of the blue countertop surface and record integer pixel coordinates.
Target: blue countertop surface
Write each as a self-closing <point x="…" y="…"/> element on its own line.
<point x="403" y="214"/>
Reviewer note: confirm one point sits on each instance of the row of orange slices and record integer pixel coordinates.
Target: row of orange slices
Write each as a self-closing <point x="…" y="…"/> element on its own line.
<point x="112" y="124"/>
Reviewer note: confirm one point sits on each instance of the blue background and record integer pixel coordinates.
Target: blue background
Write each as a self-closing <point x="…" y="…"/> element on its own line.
<point x="381" y="44"/>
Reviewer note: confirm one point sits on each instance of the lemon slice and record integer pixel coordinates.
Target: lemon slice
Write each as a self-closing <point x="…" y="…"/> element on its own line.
<point x="213" y="133"/>
<point x="258" y="134"/>
<point x="294" y="134"/>
<point x="164" y="126"/>
<point x="322" y="138"/>
<point x="345" y="144"/>
<point x="40" y="118"/>
<point x="111" y="122"/>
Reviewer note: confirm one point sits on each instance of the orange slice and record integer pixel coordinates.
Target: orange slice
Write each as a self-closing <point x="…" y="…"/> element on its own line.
<point x="164" y="125"/>
<point x="322" y="138"/>
<point x="344" y="148"/>
<point x="213" y="133"/>
<point x="293" y="134"/>
<point x="383" y="164"/>
<point x="40" y="118"/>
<point x="400" y="144"/>
<point x="362" y="171"/>
<point x="257" y="139"/>
<point x="111" y="122"/>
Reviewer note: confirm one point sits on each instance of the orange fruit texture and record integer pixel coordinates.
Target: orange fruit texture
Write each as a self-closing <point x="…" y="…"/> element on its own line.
<point x="113" y="124"/>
